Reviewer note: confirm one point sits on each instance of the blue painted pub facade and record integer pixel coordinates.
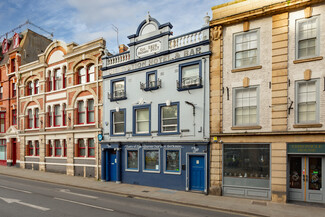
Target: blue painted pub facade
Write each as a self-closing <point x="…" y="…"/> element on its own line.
<point x="156" y="109"/>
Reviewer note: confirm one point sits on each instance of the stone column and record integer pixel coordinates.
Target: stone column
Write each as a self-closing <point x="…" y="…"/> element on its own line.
<point x="42" y="152"/>
<point x="70" y="154"/>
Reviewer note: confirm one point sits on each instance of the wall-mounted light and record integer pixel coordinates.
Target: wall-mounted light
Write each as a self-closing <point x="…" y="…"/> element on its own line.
<point x="117" y="109"/>
<point x="167" y="102"/>
<point x="106" y="123"/>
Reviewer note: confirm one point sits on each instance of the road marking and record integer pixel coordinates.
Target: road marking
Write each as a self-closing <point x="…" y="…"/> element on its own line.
<point x="14" y="189"/>
<point x="8" y="200"/>
<point x="81" y="195"/>
<point x="84" y="204"/>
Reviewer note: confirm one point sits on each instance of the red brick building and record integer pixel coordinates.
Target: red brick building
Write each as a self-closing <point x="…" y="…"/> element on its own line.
<point x="21" y="48"/>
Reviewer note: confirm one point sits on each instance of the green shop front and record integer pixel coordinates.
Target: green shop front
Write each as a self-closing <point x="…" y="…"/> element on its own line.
<point x="306" y="166"/>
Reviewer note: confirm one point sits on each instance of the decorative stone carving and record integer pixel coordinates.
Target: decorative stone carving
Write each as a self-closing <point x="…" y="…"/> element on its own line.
<point x="246" y="26"/>
<point x="246" y="82"/>
<point x="216" y="33"/>
<point x="308" y="12"/>
<point x="307" y="74"/>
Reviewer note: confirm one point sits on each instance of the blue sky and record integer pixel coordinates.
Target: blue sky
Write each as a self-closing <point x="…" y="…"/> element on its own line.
<point x="84" y="20"/>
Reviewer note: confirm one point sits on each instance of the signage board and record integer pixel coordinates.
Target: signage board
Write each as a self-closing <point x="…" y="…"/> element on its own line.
<point x="306" y="148"/>
<point x="148" y="49"/>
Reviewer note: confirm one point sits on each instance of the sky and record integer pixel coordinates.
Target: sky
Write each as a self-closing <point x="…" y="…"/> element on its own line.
<point x="85" y="20"/>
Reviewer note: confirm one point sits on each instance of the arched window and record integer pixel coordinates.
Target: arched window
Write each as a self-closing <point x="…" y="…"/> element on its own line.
<point x="29" y="88"/>
<point x="36" y="87"/>
<point x="91" y="73"/>
<point x="82" y="75"/>
<point x="36" y="118"/>
<point x="49" y="83"/>
<point x="64" y="77"/>
<point x="30" y="119"/>
<point x="57" y="79"/>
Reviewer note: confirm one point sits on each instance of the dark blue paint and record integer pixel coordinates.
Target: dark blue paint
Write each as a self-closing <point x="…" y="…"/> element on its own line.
<point x="196" y="173"/>
<point x="111" y="166"/>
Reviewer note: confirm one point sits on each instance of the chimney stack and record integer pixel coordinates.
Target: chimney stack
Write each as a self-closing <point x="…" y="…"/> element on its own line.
<point x="122" y="48"/>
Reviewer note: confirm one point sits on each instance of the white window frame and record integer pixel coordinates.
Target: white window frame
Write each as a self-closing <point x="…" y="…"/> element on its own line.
<point x="126" y="160"/>
<point x="235" y="106"/>
<point x="298" y="83"/>
<point x="165" y="161"/>
<point x="234" y="48"/>
<point x="298" y="22"/>
<point x="144" y="160"/>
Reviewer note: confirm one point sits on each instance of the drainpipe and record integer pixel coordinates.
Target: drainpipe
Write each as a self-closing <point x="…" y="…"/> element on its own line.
<point x="204" y="97"/>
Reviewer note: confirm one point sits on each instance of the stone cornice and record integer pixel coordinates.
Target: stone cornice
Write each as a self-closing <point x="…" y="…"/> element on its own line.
<point x="269" y="10"/>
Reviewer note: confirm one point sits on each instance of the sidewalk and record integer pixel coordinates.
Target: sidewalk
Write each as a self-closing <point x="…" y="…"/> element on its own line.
<point x="231" y="204"/>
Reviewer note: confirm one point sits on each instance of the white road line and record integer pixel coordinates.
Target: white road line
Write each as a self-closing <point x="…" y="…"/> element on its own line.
<point x="80" y="195"/>
<point x="9" y="200"/>
<point x="14" y="189"/>
<point x="84" y="204"/>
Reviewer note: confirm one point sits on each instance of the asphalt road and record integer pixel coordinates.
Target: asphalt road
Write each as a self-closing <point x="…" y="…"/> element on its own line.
<point x="27" y="198"/>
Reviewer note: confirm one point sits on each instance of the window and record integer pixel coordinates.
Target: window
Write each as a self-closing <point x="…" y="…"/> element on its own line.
<point x="49" y="117"/>
<point x="57" y="79"/>
<point x="90" y="111"/>
<point x="118" y="122"/>
<point x="57" y="115"/>
<point x="14" y="117"/>
<point x="1" y="92"/>
<point x="81" y="112"/>
<point x="30" y="148"/>
<point x="36" y="118"/>
<point x="14" y="89"/>
<point x="247" y="165"/>
<point x="30" y="119"/>
<point x="64" y="115"/>
<point x="307" y="38"/>
<point x="36" y="87"/>
<point x="172" y="161"/>
<point x="91" y="148"/>
<point x="168" y="118"/>
<point x="189" y="76"/>
<point x="49" y="85"/>
<point x="64" y="76"/>
<point x="91" y="73"/>
<point x="245" y="106"/>
<point x="36" y="148"/>
<point x="82" y="75"/>
<point x="307" y="101"/>
<point x="118" y="89"/>
<point x="29" y="88"/>
<point x="132" y="157"/>
<point x="246" y="49"/>
<point x="152" y="82"/>
<point x="81" y="148"/>
<point x="64" y="148"/>
<point x="151" y="160"/>
<point x="141" y="119"/>
<point x="2" y="122"/>
<point x="13" y="65"/>
<point x="58" y="149"/>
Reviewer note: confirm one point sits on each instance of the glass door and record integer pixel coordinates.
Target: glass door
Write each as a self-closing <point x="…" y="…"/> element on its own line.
<point x="305" y="179"/>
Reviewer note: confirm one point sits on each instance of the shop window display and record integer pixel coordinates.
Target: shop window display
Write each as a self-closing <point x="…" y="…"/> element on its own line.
<point x="247" y="165"/>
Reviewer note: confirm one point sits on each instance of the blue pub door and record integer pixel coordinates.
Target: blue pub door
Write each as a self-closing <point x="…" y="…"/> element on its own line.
<point x="110" y="165"/>
<point x="197" y="173"/>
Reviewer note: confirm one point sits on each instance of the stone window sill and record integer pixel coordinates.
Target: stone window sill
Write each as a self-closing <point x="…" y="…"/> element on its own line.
<point x="246" y="69"/>
<point x="247" y="128"/>
<point x="307" y="125"/>
<point x="308" y="60"/>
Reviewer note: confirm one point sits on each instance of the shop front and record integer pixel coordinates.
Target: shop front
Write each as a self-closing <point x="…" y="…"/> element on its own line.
<point x="169" y="165"/>
<point x="3" y="152"/>
<point x="305" y="168"/>
<point x="246" y="170"/>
